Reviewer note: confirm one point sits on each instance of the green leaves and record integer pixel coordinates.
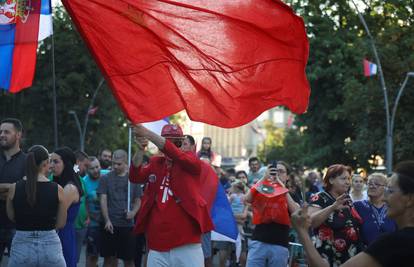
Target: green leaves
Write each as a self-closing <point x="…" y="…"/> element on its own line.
<point x="345" y="122"/>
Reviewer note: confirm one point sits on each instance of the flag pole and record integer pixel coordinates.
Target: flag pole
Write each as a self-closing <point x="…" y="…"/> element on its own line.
<point x="86" y="120"/>
<point x="55" y="122"/>
<point x="129" y="163"/>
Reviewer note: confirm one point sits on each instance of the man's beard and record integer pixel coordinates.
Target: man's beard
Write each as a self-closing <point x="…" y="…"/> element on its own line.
<point x="105" y="164"/>
<point x="4" y="145"/>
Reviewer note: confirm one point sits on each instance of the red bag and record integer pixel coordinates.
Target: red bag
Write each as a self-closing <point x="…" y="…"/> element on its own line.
<point x="269" y="203"/>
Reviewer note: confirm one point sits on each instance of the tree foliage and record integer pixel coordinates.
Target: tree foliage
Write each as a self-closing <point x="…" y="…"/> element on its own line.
<point x="77" y="77"/>
<point x="345" y="121"/>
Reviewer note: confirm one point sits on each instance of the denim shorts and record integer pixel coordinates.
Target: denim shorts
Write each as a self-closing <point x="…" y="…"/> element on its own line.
<point x="36" y="249"/>
<point x="263" y="254"/>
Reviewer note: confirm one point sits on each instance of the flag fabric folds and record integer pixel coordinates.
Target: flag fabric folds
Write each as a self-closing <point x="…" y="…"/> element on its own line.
<point x="19" y="35"/>
<point x="221" y="214"/>
<point x="224" y="62"/>
<point x="370" y="68"/>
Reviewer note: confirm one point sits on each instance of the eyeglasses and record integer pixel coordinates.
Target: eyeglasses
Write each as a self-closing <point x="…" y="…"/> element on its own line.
<point x="375" y="184"/>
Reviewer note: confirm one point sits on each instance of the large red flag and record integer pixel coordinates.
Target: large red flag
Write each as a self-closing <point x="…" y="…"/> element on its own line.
<point x="224" y="62"/>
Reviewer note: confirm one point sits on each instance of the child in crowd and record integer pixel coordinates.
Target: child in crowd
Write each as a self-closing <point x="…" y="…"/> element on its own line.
<point x="238" y="206"/>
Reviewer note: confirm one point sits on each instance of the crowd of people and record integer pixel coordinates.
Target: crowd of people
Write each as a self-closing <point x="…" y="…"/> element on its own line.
<point x="156" y="212"/>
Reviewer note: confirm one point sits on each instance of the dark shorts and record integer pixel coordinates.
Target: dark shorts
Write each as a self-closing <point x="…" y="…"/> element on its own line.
<point x="93" y="241"/>
<point x="120" y="244"/>
<point x="6" y="237"/>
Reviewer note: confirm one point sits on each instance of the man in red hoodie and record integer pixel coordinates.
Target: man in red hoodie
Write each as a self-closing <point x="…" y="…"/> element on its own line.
<point x="173" y="214"/>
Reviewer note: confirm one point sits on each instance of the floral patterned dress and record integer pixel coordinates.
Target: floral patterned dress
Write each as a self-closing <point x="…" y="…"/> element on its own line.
<point x="338" y="238"/>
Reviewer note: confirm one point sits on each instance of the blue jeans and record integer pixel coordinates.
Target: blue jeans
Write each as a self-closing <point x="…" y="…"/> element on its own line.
<point x="36" y="249"/>
<point x="263" y="254"/>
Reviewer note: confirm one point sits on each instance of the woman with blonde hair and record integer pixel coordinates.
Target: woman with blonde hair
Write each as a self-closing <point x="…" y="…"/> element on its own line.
<point x="358" y="191"/>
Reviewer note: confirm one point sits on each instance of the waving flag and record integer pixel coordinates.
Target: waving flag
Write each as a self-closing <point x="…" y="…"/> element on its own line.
<point x="221" y="213"/>
<point x="224" y="62"/>
<point x="369" y="68"/>
<point x="19" y="36"/>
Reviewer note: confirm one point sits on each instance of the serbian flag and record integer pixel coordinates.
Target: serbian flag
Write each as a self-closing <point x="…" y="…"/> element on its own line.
<point x="369" y="68"/>
<point x="224" y="62"/>
<point x="221" y="214"/>
<point x="22" y="24"/>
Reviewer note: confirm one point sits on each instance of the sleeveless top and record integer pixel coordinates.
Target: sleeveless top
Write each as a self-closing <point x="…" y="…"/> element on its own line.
<point x="40" y="217"/>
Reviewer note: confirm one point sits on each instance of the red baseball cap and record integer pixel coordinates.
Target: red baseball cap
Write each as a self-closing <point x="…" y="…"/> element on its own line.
<point x="172" y="131"/>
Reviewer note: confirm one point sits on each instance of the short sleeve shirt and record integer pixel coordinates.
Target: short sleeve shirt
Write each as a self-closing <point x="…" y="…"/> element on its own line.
<point x="338" y="238"/>
<point x="116" y="189"/>
<point x="11" y="171"/>
<point x="376" y="222"/>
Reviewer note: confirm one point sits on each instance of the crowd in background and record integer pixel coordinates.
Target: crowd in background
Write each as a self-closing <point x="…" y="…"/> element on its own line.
<point x="87" y="199"/>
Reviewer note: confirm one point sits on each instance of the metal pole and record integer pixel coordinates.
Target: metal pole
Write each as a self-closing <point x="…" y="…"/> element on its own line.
<point x="129" y="163"/>
<point x="388" y="146"/>
<point x="394" y="111"/>
<point x="79" y="128"/>
<point x="85" y="121"/>
<point x="55" y="123"/>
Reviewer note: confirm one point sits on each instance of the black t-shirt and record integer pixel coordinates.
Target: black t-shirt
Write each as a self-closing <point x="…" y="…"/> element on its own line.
<point x="394" y="249"/>
<point x="272" y="233"/>
<point x="10" y="172"/>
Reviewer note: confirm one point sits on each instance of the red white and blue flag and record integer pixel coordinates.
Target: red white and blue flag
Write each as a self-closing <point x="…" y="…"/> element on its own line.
<point x="23" y="23"/>
<point x="369" y="68"/>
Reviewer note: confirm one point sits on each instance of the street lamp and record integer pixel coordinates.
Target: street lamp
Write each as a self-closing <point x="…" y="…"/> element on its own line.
<point x="388" y="119"/>
<point x="82" y="131"/>
<point x="390" y="136"/>
<point x="75" y="116"/>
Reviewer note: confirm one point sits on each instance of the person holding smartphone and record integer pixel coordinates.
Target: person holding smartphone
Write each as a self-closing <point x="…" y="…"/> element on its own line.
<point x="335" y="221"/>
<point x="271" y="205"/>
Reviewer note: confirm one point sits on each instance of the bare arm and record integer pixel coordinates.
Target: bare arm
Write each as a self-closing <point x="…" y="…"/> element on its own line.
<point x="142" y="143"/>
<point x="9" y="204"/>
<point x="104" y="209"/>
<point x="320" y="215"/>
<point x="248" y="198"/>
<point x="62" y="209"/>
<point x="292" y="205"/>
<point x="4" y="190"/>
<point x="71" y="194"/>
<point x="140" y="131"/>
<point x="301" y="222"/>
<point x="135" y="208"/>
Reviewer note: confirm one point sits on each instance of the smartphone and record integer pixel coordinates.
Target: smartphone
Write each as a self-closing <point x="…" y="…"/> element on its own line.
<point x="273" y="165"/>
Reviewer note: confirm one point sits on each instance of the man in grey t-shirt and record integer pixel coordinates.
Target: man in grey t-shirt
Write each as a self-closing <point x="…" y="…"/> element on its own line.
<point x="117" y="239"/>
